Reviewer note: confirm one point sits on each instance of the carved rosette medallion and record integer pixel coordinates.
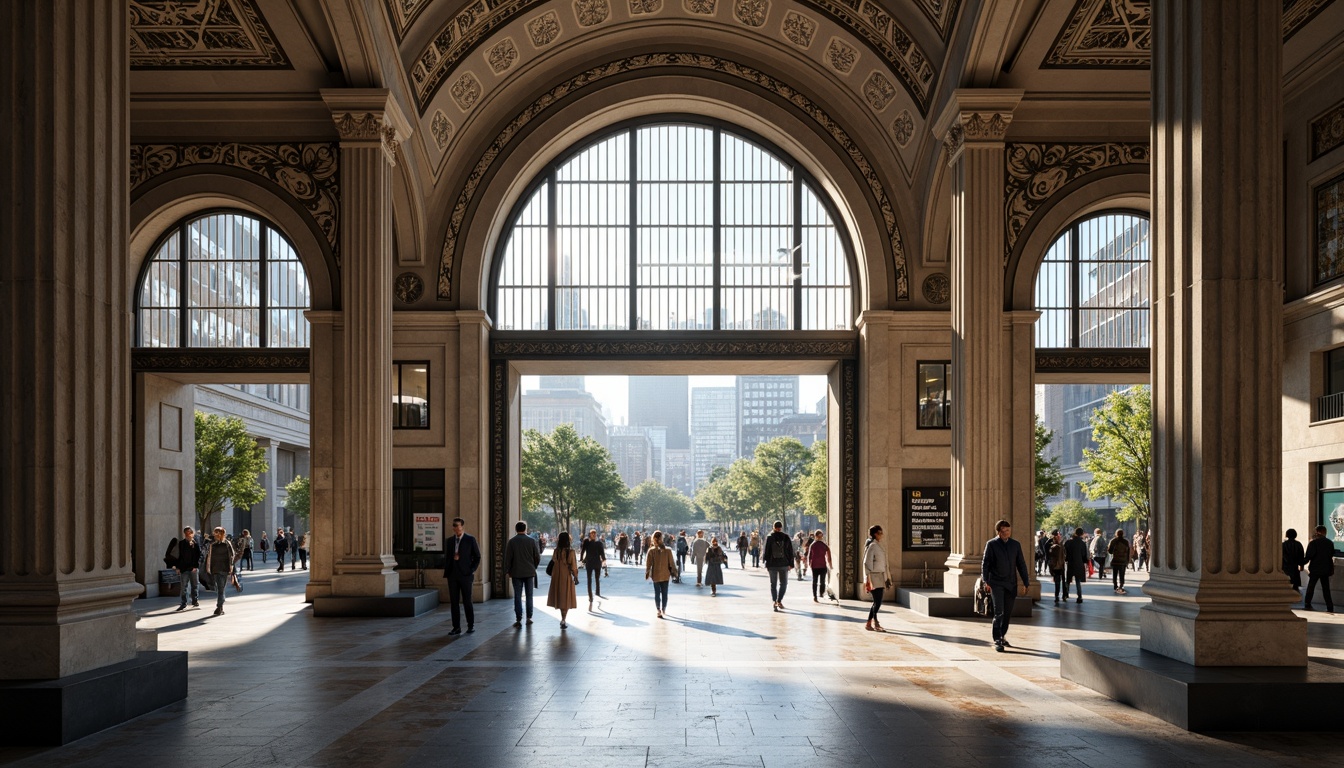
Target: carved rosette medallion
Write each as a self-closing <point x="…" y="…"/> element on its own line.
<point x="751" y="13"/>
<point x="700" y="7"/>
<point x="466" y="91"/>
<point x="590" y="13"/>
<point x="642" y="7"/>
<point x="441" y="128"/>
<point x="502" y="56"/>
<point x="841" y="56"/>
<point x="903" y="128"/>
<point x="878" y="91"/>
<point x="544" y="29"/>
<point x="408" y="287"/>
<point x="799" y="29"/>
<point x="937" y="288"/>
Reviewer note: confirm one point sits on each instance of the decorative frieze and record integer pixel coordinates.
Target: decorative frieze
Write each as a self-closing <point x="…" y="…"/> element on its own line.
<point x="466" y="91"/>
<point x="404" y="14"/>
<point x="841" y="56"/>
<point x="590" y="13"/>
<point x="544" y="29"/>
<point x="798" y="29"/>
<point x="224" y="34"/>
<point x="502" y="56"/>
<point x="1135" y="361"/>
<point x="752" y="13"/>
<point x="1327" y="131"/>
<point x="1104" y="33"/>
<point x="878" y="91"/>
<point x="548" y="347"/>
<point x="941" y="13"/>
<point x="188" y="360"/>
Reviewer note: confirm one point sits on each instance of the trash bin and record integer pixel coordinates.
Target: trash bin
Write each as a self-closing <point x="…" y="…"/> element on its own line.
<point x="170" y="583"/>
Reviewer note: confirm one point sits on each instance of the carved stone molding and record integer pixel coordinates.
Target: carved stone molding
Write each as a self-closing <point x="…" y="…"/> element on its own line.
<point x="225" y="34"/>
<point x="942" y="14"/>
<point x="841" y="56"/>
<point x="442" y="129"/>
<point x="952" y="141"/>
<point x="307" y="172"/>
<point x="502" y="56"/>
<point x="1104" y="33"/>
<point x="367" y="126"/>
<point x="751" y="13"/>
<point x="1035" y="172"/>
<point x="408" y="287"/>
<point x="755" y="77"/>
<point x="878" y="91"/>
<point x="1327" y="131"/>
<point x="544" y="29"/>
<point x="903" y="128"/>
<point x="590" y="13"/>
<point x="1298" y="13"/>
<point x="937" y="288"/>
<point x="798" y="29"/>
<point x="984" y="126"/>
<point x="701" y="7"/>
<point x="1136" y="361"/>
<point x="466" y="91"/>
<point x="849" y="475"/>
<point x="543" y="347"/>
<point x="499" y="471"/>
<point x="404" y="14"/>
<point x="641" y="7"/>
<point x="290" y="360"/>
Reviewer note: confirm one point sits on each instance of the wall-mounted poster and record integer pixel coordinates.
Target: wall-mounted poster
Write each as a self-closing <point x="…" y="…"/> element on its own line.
<point x="429" y="531"/>
<point x="1330" y="230"/>
<point x="1332" y="516"/>
<point x="928" y="518"/>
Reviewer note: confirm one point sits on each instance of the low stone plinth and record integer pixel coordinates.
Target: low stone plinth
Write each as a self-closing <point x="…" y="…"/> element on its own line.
<point x="403" y="604"/>
<point x="936" y="602"/>
<point x="1207" y="698"/>
<point x="54" y="712"/>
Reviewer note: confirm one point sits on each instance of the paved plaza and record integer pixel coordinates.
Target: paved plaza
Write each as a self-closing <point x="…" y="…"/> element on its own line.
<point x="723" y="681"/>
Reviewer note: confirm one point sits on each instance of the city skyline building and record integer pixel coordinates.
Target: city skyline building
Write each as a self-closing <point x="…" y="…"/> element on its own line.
<point x="765" y="401"/>
<point x="713" y="430"/>
<point x="632" y="451"/>
<point x="546" y="409"/>
<point x="661" y="401"/>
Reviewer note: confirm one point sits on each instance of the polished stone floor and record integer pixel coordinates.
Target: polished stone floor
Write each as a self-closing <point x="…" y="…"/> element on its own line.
<point x="723" y="681"/>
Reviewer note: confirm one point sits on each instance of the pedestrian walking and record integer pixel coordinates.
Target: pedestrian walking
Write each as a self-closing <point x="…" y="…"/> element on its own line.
<point x="778" y="561"/>
<point x="245" y="547"/>
<point x="1042" y="551"/>
<point x="463" y="558"/>
<point x="593" y="555"/>
<point x="564" y="573"/>
<point x="875" y="575"/>
<point x="1294" y="557"/>
<point x="800" y="554"/>
<point x="660" y="569"/>
<point x="622" y="546"/>
<point x="743" y="543"/>
<point x="1119" y="552"/>
<point x="819" y="555"/>
<point x="1077" y="563"/>
<point x="219" y="564"/>
<point x="636" y="544"/>
<point x="521" y="558"/>
<point x="699" y="548"/>
<point x="1099" y="552"/>
<point x="293" y="547"/>
<point x="755" y="549"/>
<point x="1320" y="557"/>
<point x="186" y="556"/>
<point x="1001" y="565"/>
<point x="715" y="560"/>
<point x="303" y="549"/>
<point x="683" y="548"/>
<point x="265" y="548"/>
<point x="281" y="547"/>
<point x="1055" y="560"/>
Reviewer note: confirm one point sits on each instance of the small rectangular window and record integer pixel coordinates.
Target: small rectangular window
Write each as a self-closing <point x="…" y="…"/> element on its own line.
<point x="410" y="394"/>
<point x="933" y="390"/>
<point x="1330" y="501"/>
<point x="1331" y="403"/>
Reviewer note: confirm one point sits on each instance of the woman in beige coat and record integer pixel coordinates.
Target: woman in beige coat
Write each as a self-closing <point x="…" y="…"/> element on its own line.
<point x="875" y="575"/>
<point x="659" y="566"/>
<point x="564" y="576"/>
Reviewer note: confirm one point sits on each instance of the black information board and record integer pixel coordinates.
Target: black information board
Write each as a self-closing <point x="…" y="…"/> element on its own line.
<point x="928" y="518"/>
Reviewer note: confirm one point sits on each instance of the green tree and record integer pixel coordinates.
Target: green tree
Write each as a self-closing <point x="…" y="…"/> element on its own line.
<point x="299" y="497"/>
<point x="740" y="489"/>
<point x="1122" y="464"/>
<point x="228" y="462"/>
<point x="813" y="487"/>
<point x="657" y="504"/>
<point x="1068" y="515"/>
<point x="572" y="475"/>
<point x="1049" y="478"/>
<point x="776" y="470"/>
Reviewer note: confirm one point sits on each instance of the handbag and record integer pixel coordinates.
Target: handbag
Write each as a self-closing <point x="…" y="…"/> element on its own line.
<point x="550" y="567"/>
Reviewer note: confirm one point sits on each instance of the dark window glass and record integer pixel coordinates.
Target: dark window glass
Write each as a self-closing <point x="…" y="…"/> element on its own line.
<point x="418" y="493"/>
<point x="410" y="395"/>
<point x="934" y="391"/>
<point x="1093" y="288"/>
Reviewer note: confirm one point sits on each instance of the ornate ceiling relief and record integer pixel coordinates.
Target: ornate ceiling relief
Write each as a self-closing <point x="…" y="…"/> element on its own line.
<point x="942" y="14"/>
<point x="1035" y="172"/>
<point x="455" y="39"/>
<point x="544" y="29"/>
<point x="903" y="128"/>
<point x="466" y="91"/>
<point x="878" y="91"/>
<point x="720" y="66"/>
<point x="640" y="7"/>
<point x="701" y="7"/>
<point x="1298" y="13"/>
<point x="885" y="35"/>
<point x="841" y="56"/>
<point x="1327" y="131"/>
<point x="502" y="56"/>
<point x="937" y="288"/>
<point x="752" y="13"/>
<point x="1105" y="33"/>
<point x="308" y="172"/>
<point x="403" y="14"/>
<point x="171" y="34"/>
<point x="798" y="29"/>
<point x="442" y="129"/>
<point x="590" y="13"/>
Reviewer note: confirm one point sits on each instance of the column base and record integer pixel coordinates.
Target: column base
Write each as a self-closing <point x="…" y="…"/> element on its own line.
<point x="934" y="602"/>
<point x="55" y="712"/>
<point x="1210" y="642"/>
<point x="405" y="604"/>
<point x="961" y="583"/>
<point x="365" y="584"/>
<point x="1206" y="698"/>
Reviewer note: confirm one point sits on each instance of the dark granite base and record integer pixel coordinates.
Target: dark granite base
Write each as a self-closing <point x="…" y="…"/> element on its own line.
<point x="1207" y="698"/>
<point x="404" y="604"/>
<point x="935" y="602"/>
<point x="53" y="712"/>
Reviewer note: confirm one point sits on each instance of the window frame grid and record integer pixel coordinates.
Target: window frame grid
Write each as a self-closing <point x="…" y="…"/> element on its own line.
<point x="1074" y="289"/>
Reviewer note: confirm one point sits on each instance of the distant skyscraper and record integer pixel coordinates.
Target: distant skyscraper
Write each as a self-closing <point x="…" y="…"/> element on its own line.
<point x="714" y="429"/>
<point x="563" y="382"/>
<point x="632" y="451"/>
<point x="678" y="470"/>
<point x="661" y="401"/>
<point x="546" y="409"/>
<point x="764" y="403"/>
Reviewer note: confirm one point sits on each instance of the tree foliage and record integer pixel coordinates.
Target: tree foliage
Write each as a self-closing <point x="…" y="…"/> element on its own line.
<point x="814" y="485"/>
<point x="775" y="471"/>
<point x="299" y="497"/>
<point x="1049" y="478"/>
<point x="228" y="462"/>
<point x="1068" y="515"/>
<point x="572" y="475"/>
<point x="1122" y="464"/>
<point x="655" y="503"/>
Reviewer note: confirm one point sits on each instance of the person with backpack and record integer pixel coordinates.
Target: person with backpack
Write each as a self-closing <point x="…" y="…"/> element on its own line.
<point x="683" y="548"/>
<point x="1119" y="551"/>
<point x="778" y="561"/>
<point x="219" y="564"/>
<point x="1055" y="560"/>
<point x="742" y="546"/>
<point x="185" y="555"/>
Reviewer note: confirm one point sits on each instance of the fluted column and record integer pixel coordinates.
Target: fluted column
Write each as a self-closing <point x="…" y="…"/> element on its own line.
<point x="1217" y="596"/>
<point x="370" y="126"/>
<point x="66" y="583"/>
<point x="974" y="124"/>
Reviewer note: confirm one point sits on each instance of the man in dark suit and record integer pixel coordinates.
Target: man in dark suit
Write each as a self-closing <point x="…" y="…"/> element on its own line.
<point x="1320" y="557"/>
<point x="1075" y="563"/>
<point x="1000" y="567"/>
<point x="464" y="557"/>
<point x="1293" y="559"/>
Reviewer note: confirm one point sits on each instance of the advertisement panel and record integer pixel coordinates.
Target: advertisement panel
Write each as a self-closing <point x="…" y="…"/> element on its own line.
<point x="928" y="518"/>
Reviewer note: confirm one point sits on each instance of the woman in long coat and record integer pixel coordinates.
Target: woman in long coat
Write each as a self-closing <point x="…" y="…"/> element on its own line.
<point x="715" y="559"/>
<point x="564" y="576"/>
<point x="660" y="568"/>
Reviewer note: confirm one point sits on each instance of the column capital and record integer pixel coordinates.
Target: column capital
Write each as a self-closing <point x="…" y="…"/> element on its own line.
<point x="367" y="115"/>
<point x="976" y="115"/>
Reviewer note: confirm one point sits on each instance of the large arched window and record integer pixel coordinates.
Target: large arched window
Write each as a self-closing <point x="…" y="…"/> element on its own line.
<point x="222" y="279"/>
<point x="673" y="226"/>
<point x="1093" y="288"/>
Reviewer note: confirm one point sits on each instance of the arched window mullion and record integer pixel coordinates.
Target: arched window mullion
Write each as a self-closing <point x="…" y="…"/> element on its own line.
<point x="796" y="250"/>
<point x="263" y="288"/>
<point x="632" y="164"/>
<point x="552" y="251"/>
<point x="716" y="220"/>
<point x="183" y="283"/>
<point x="1076" y="280"/>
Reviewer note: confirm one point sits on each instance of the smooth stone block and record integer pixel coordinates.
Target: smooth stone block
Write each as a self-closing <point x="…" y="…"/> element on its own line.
<point x="404" y="604"/>
<point x="1207" y="698"/>
<point x="936" y="602"/>
<point x="53" y="712"/>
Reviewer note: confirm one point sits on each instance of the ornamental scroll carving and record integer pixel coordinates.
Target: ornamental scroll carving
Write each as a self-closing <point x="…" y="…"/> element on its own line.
<point x="976" y="126"/>
<point x="755" y="77"/>
<point x="307" y="172"/>
<point x="1035" y="172"/>
<point x="367" y="126"/>
<point x="223" y="34"/>
<point x="1327" y="131"/>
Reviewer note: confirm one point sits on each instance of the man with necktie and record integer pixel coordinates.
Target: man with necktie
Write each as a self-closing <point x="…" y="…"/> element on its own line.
<point x="464" y="557"/>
